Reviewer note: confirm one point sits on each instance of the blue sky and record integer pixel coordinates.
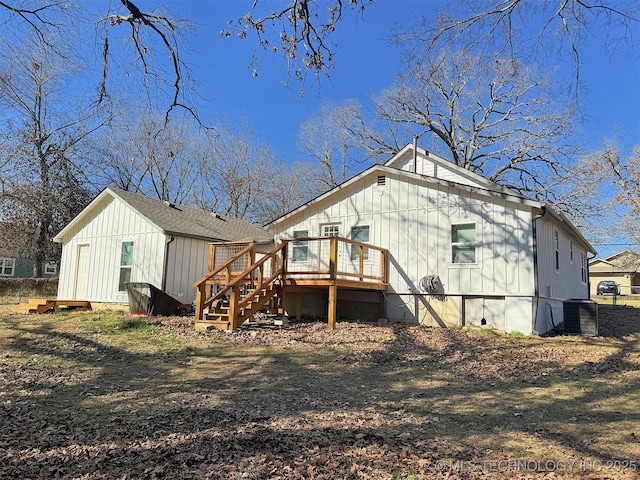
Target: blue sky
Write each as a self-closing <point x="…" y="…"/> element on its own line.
<point x="366" y="63"/>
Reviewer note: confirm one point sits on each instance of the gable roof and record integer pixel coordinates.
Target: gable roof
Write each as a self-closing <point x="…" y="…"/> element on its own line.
<point x="452" y="172"/>
<point x="623" y="261"/>
<point x="180" y="220"/>
<point x="486" y="188"/>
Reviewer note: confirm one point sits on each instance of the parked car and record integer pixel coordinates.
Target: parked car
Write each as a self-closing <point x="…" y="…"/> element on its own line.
<point x="607" y="286"/>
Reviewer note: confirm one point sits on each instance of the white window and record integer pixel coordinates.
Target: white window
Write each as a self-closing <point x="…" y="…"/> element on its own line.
<point x="557" y="250"/>
<point x="571" y="251"/>
<point x="7" y="267"/>
<point x="360" y="234"/>
<point x="50" y="268"/>
<point x="463" y="243"/>
<point x="330" y="230"/>
<point x="300" y="249"/>
<point x="583" y="267"/>
<point x="126" y="261"/>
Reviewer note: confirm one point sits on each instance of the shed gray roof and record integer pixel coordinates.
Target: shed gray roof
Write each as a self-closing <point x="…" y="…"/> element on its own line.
<point x="180" y="220"/>
<point x="192" y="222"/>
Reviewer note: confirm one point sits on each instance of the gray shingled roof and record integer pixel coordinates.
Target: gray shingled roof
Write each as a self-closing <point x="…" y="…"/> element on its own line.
<point x="192" y="222"/>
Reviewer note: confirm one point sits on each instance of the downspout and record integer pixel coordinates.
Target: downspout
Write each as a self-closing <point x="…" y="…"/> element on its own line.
<point x="164" y="264"/>
<point x="536" y="288"/>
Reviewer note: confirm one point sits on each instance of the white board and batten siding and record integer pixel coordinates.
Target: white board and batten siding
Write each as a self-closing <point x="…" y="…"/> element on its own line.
<point x="562" y="271"/>
<point x="91" y="256"/>
<point x="412" y="218"/>
<point x="187" y="262"/>
<point x="94" y="249"/>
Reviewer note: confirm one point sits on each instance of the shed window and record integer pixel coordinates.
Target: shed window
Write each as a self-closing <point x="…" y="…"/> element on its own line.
<point x="7" y="267"/>
<point x="360" y="234"/>
<point x="126" y="261"/>
<point x="583" y="267"/>
<point x="463" y="243"/>
<point x="300" y="249"/>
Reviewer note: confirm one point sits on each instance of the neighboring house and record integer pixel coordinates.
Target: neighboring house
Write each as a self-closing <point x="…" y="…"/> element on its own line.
<point x="123" y="237"/>
<point x="13" y="262"/>
<point x="462" y="250"/>
<point x="13" y="266"/>
<point x="622" y="267"/>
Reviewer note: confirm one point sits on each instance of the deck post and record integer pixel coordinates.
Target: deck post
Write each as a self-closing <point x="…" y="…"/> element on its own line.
<point x="333" y="306"/>
<point x="199" y="302"/>
<point x="234" y="299"/>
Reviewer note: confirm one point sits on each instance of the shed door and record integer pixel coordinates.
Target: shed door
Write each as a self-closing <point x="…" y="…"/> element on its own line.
<point x="82" y="273"/>
<point x="484" y="312"/>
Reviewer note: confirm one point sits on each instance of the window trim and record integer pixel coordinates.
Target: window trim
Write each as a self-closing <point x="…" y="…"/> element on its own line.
<point x="583" y="268"/>
<point x="300" y="246"/>
<point x="125" y="266"/>
<point x="473" y="244"/>
<point x="354" y="253"/>
<point x="3" y="265"/>
<point x="323" y="233"/>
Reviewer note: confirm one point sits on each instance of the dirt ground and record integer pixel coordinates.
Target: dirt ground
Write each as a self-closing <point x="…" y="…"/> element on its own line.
<point x="88" y="395"/>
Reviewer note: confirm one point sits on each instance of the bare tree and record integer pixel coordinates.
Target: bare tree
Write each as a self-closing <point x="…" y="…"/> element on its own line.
<point x="306" y="25"/>
<point x="490" y="115"/>
<point x="527" y="30"/>
<point x="326" y="140"/>
<point x="145" y="155"/>
<point x="42" y="146"/>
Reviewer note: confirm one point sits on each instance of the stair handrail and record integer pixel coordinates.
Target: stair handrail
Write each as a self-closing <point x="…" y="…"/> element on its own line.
<point x="234" y="302"/>
<point x="251" y="269"/>
<point x="274" y="274"/>
<point x="201" y="284"/>
<point x="226" y="264"/>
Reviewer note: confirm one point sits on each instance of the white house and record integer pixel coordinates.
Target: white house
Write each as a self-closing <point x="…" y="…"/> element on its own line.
<point x="462" y="250"/>
<point x="123" y="237"/>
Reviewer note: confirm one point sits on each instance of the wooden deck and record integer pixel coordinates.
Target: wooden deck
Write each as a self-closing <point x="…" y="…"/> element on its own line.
<point x="242" y="279"/>
<point x="43" y="305"/>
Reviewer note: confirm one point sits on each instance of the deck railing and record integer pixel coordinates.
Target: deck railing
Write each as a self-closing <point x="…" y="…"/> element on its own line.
<point x="320" y="260"/>
<point x="335" y="258"/>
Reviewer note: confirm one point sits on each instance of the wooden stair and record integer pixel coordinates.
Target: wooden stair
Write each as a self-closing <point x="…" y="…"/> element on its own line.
<point x="250" y="303"/>
<point x="43" y="305"/>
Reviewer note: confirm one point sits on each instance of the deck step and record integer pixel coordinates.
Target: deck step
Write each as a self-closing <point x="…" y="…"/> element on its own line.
<point x="43" y="305"/>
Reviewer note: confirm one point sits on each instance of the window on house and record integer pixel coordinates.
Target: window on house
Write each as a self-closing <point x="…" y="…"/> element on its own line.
<point x="571" y="251"/>
<point x="7" y="267"/>
<point x="50" y="268"/>
<point x="557" y="250"/>
<point x="583" y="267"/>
<point x="330" y="230"/>
<point x="463" y="243"/>
<point x="300" y="249"/>
<point x="360" y="234"/>
<point x="126" y="261"/>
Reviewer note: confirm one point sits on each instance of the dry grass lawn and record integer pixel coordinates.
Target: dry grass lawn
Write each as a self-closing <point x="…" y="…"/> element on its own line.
<point x="105" y="395"/>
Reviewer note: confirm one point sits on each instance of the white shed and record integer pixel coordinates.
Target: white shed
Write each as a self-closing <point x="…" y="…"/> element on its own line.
<point x="124" y="237"/>
<point x="462" y="250"/>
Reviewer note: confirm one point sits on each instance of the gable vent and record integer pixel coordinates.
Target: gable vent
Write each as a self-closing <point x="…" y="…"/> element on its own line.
<point x="382" y="180"/>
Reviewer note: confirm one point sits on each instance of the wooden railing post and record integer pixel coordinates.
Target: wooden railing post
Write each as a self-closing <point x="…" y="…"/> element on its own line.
<point x="361" y="265"/>
<point x="200" y="291"/>
<point x="233" y="305"/>
<point x="333" y="257"/>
